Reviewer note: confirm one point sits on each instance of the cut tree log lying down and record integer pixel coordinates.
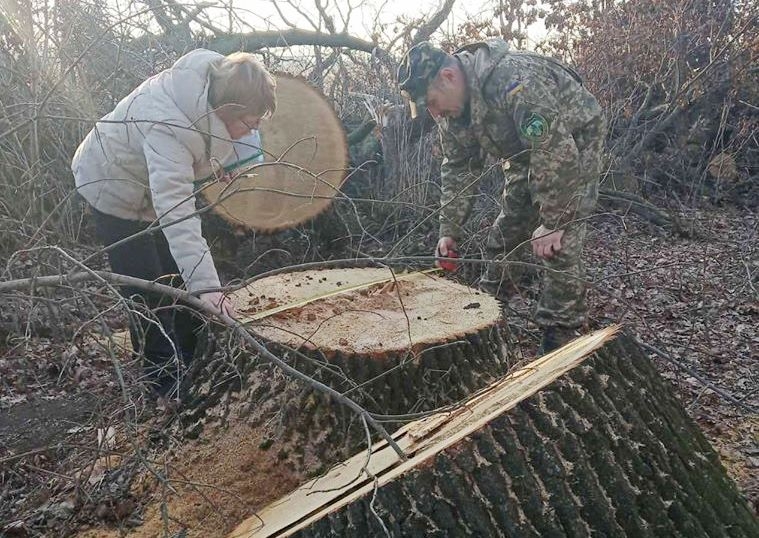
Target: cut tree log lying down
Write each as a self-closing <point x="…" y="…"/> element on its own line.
<point x="577" y="443"/>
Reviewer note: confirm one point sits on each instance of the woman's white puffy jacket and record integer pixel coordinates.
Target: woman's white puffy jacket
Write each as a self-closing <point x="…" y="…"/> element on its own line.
<point x="140" y="160"/>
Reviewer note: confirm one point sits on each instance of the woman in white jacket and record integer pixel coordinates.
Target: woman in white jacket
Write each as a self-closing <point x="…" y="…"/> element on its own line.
<point x="138" y="165"/>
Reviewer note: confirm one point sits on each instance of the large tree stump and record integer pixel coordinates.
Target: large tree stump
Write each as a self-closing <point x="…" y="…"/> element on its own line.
<point x="394" y="343"/>
<point x="558" y="448"/>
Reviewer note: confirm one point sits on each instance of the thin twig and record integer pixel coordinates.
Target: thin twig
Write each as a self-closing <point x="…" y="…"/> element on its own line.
<point x="696" y="376"/>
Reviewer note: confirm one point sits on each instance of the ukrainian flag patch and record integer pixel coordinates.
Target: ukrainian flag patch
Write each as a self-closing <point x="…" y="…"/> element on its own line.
<point x="513" y="89"/>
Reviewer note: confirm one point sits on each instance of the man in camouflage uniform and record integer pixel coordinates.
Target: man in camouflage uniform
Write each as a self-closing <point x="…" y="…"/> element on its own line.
<point x="533" y="114"/>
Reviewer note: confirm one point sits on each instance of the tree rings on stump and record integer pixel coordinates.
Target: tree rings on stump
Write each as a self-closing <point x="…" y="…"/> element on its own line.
<point x="365" y="312"/>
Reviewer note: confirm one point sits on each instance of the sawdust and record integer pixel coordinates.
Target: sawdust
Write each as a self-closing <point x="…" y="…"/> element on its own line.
<point x="219" y="480"/>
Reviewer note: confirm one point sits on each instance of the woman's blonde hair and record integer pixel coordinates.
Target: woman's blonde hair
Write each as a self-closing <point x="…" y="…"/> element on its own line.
<point x="239" y="79"/>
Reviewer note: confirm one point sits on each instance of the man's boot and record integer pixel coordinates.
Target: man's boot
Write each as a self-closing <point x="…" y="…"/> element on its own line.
<point x="554" y="337"/>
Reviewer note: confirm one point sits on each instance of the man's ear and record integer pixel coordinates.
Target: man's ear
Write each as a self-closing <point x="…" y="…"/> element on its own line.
<point x="448" y="74"/>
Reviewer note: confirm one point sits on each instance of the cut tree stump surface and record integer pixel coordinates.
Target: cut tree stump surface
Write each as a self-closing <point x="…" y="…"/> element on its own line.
<point x="394" y="343"/>
<point x="260" y="433"/>
<point x="397" y="312"/>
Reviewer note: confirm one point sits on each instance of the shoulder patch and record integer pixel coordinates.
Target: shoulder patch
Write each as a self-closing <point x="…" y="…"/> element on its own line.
<point x="534" y="127"/>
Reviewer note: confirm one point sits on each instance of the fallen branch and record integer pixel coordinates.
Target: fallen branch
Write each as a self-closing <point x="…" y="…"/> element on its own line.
<point x="288" y="38"/>
<point x="637" y="205"/>
<point x="196" y="303"/>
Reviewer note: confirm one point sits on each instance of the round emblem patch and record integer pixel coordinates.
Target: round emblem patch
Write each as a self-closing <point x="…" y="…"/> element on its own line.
<point x="534" y="127"/>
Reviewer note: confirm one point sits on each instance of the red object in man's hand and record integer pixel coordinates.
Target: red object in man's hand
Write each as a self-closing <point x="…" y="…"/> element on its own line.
<point x="448" y="265"/>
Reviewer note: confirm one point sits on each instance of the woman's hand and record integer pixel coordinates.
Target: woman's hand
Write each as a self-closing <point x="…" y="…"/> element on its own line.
<point x="219" y="302"/>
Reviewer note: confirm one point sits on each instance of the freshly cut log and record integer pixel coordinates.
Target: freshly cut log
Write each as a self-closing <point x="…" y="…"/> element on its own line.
<point x="394" y="343"/>
<point x="306" y="163"/>
<point x="566" y="446"/>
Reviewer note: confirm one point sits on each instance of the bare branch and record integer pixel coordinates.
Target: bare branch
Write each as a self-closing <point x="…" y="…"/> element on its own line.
<point x="288" y="38"/>
<point x="191" y="300"/>
<point x="428" y="28"/>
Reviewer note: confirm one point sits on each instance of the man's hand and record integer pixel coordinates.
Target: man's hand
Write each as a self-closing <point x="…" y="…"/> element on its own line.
<point x="219" y="302"/>
<point x="545" y="242"/>
<point x="446" y="248"/>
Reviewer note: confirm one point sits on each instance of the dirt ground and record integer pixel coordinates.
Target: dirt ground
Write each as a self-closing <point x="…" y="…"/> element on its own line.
<point x="692" y="298"/>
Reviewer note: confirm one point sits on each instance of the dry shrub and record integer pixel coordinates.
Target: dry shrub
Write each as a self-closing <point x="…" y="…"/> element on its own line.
<point x="678" y="83"/>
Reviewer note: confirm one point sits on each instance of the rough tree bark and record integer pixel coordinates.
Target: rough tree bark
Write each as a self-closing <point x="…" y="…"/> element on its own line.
<point x="603" y="450"/>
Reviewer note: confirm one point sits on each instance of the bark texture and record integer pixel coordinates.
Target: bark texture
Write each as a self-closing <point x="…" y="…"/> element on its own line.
<point x="312" y="428"/>
<point x="606" y="450"/>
